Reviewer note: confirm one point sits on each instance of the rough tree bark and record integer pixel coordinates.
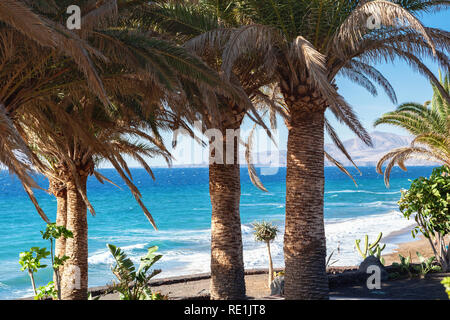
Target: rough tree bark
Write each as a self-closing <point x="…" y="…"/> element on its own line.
<point x="58" y="189"/>
<point x="74" y="280"/>
<point x="304" y="238"/>
<point x="227" y="263"/>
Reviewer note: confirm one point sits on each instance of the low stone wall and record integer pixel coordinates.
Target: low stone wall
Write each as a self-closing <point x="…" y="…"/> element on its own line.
<point x="95" y="291"/>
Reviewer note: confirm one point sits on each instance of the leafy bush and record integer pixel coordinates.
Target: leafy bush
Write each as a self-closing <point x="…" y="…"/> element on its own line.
<point x="52" y="233"/>
<point x="426" y="265"/>
<point x="134" y="285"/>
<point x="46" y="292"/>
<point x="404" y="266"/>
<point x="31" y="261"/>
<point x="427" y="201"/>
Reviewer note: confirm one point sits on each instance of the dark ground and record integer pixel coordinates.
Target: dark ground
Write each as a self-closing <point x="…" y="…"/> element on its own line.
<point x="429" y="288"/>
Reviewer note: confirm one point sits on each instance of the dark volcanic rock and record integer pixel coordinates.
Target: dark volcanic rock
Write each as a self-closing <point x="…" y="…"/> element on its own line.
<point x="277" y="286"/>
<point x="373" y="261"/>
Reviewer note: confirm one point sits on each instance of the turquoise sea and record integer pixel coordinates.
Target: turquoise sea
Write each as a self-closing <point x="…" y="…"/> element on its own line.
<point x="180" y="204"/>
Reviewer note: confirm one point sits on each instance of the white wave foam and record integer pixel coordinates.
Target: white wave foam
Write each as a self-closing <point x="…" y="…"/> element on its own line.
<point x="376" y="204"/>
<point x="361" y="191"/>
<point x="105" y="257"/>
<point x="196" y="258"/>
<point x="277" y="204"/>
<point x="24" y="293"/>
<point x="339" y="232"/>
<point x="342" y="233"/>
<point x="183" y="262"/>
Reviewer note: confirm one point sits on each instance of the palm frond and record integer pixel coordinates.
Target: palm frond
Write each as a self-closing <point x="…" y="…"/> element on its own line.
<point x="340" y="166"/>
<point x="400" y="155"/>
<point x="389" y="14"/>
<point x="251" y="167"/>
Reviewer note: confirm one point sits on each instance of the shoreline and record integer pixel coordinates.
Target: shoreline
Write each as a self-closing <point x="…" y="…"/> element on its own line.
<point x="409" y="248"/>
<point x="197" y="285"/>
<point x="401" y="236"/>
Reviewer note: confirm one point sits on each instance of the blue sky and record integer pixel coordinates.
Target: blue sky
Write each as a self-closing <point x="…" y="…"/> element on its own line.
<point x="408" y="84"/>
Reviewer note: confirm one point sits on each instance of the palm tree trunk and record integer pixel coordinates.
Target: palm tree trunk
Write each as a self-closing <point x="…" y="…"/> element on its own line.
<point x="60" y="243"/>
<point x="304" y="238"/>
<point x="61" y="220"/>
<point x="270" y="264"/>
<point x="227" y="263"/>
<point x="74" y="280"/>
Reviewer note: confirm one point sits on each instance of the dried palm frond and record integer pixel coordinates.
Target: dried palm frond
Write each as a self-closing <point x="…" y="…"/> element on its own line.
<point x="251" y="166"/>
<point x="369" y="72"/>
<point x="340" y="166"/>
<point x="50" y="34"/>
<point x="13" y="151"/>
<point x="388" y="14"/>
<point x="105" y="13"/>
<point x="78" y="135"/>
<point x="338" y="143"/>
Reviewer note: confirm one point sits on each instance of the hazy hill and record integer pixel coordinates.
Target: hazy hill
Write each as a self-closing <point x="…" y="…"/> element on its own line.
<point x="361" y="153"/>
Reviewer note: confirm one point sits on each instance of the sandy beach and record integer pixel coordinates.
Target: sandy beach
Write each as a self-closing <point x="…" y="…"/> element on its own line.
<point x="406" y="249"/>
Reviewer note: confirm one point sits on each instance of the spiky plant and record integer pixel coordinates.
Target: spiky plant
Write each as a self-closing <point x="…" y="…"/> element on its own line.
<point x="429" y="123"/>
<point x="266" y="232"/>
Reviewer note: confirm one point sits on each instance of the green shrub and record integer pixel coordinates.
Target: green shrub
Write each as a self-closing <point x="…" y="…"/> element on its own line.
<point x="427" y="201"/>
<point x="134" y="284"/>
<point x="404" y="266"/>
<point x="46" y="292"/>
<point x="31" y="261"/>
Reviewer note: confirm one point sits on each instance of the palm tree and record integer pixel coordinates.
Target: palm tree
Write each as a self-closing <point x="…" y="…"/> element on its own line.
<point x="304" y="45"/>
<point x="45" y="84"/>
<point x="428" y="123"/>
<point x="18" y="22"/>
<point x="67" y="160"/>
<point x="39" y="26"/>
<point x="27" y="17"/>
<point x="188" y="23"/>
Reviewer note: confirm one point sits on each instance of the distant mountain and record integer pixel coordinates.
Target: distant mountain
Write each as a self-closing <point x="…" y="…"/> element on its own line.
<point x="364" y="155"/>
<point x="361" y="154"/>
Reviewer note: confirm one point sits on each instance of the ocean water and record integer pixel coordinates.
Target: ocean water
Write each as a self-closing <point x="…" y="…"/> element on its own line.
<point x="179" y="202"/>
